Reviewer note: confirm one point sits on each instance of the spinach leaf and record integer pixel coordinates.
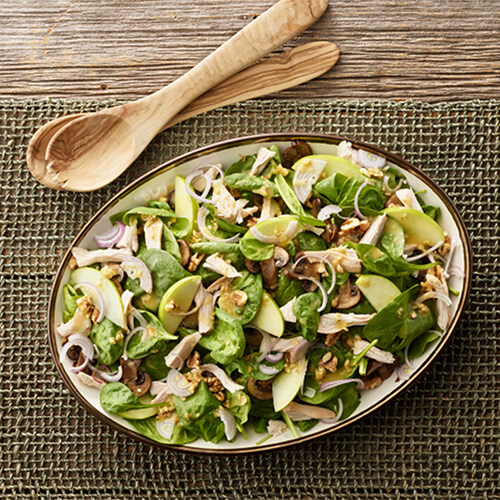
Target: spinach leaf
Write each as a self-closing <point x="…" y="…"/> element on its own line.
<point x="140" y="345"/>
<point x="350" y="401"/>
<point x="420" y="320"/>
<point x="331" y="187"/>
<point x="243" y="165"/>
<point x="223" y="226"/>
<point x="319" y="398"/>
<point x="287" y="289"/>
<point x="263" y="409"/>
<point x="306" y="311"/>
<point x="305" y="425"/>
<point x="375" y="260"/>
<point x="101" y="335"/>
<point x="254" y="249"/>
<point x="154" y="363"/>
<point x="239" y="405"/>
<point x="251" y="183"/>
<point x="387" y="323"/>
<point x="165" y="271"/>
<point x="230" y="250"/>
<point x="251" y="284"/>
<point x="432" y="211"/>
<point x="196" y="414"/>
<point x="70" y="296"/>
<point x="163" y="213"/>
<point x="293" y="204"/>
<point x="147" y="428"/>
<point x="249" y="367"/>
<point x="227" y="342"/>
<point x="117" y="397"/>
<point x="170" y="244"/>
<point x="310" y="241"/>
<point x="419" y="345"/>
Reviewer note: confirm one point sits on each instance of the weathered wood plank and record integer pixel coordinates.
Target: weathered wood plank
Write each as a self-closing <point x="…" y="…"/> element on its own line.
<point x="424" y="49"/>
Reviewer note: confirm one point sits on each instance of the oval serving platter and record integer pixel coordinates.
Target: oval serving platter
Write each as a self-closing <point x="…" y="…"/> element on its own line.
<point x="153" y="184"/>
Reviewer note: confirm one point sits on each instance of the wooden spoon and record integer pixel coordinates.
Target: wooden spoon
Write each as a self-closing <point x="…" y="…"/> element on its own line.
<point x="92" y="150"/>
<point x="293" y="67"/>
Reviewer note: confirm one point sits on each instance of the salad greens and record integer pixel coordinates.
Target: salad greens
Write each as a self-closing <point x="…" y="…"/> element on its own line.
<point x="265" y="297"/>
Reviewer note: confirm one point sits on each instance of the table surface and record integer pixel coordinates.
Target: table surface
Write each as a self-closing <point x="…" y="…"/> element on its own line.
<point x="396" y="49"/>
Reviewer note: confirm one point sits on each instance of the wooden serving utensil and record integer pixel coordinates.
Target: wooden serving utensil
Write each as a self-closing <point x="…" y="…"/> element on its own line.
<point x="291" y="68"/>
<point x="92" y="150"/>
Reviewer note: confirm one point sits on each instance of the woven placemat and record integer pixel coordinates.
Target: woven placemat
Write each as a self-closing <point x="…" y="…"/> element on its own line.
<point x="438" y="440"/>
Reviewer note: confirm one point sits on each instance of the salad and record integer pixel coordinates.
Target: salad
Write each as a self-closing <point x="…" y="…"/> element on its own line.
<point x="267" y="294"/>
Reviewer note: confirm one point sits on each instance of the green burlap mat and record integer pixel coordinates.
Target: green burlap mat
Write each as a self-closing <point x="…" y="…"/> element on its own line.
<point x="438" y="440"/>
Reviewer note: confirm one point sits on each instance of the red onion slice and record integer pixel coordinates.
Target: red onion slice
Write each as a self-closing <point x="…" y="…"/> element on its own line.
<point x="198" y="172"/>
<point x="338" y="416"/>
<point x="427" y="252"/>
<point x="136" y="268"/>
<point x="165" y="428"/>
<point x="403" y="371"/>
<point x="335" y="383"/>
<point x="389" y="189"/>
<point x="329" y="264"/>
<point x="79" y="368"/>
<point x="274" y="358"/>
<point x="108" y="377"/>
<point x="102" y="308"/>
<point x="178" y="384"/>
<point x="224" y="378"/>
<point x="328" y="211"/>
<point x="110" y="237"/>
<point x="229" y="423"/>
<point x="268" y="370"/>
<point x="202" y="226"/>
<point x="370" y="160"/>
<point x="356" y="199"/>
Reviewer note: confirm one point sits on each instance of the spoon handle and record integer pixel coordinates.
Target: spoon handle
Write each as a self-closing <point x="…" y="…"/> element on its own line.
<point x="279" y="24"/>
<point x="296" y="66"/>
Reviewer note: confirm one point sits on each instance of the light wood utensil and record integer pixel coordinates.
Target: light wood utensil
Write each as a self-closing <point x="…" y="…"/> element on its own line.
<point x="291" y="68"/>
<point x="92" y="150"/>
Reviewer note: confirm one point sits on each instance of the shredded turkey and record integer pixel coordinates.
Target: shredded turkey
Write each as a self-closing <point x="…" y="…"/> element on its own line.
<point x="89" y="381"/>
<point x="345" y="150"/>
<point x="226" y="207"/>
<point x="336" y="322"/>
<point x="270" y="209"/>
<point x="206" y="312"/>
<point x="153" y="232"/>
<point x="374" y="352"/>
<point x="178" y="355"/>
<point x="372" y="236"/>
<point x="347" y="258"/>
<point x="263" y="157"/>
<point x="79" y="323"/>
<point x="88" y="257"/>
<point x="408" y="199"/>
<point x="435" y="281"/>
<point x="298" y="412"/>
<point x="130" y="237"/>
<point x="217" y="264"/>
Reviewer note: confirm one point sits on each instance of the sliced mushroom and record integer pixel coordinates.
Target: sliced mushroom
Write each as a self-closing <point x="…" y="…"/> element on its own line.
<point x="280" y="256"/>
<point x="138" y="382"/>
<point x="295" y="152"/>
<point x="269" y="273"/>
<point x="304" y="270"/>
<point x="253" y="336"/>
<point x="260" y="389"/>
<point x="393" y="201"/>
<point x="185" y="252"/>
<point x="347" y="296"/>
<point x="330" y="232"/>
<point x="316" y="204"/>
<point x="253" y="266"/>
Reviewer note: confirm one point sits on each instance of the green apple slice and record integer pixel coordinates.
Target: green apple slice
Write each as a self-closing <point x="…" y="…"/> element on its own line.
<point x="185" y="206"/>
<point x="278" y="230"/>
<point x="113" y="306"/>
<point x="141" y="413"/>
<point x="418" y="227"/>
<point x="379" y="291"/>
<point x="180" y="295"/>
<point x="269" y="317"/>
<point x="287" y="385"/>
<point x="334" y="165"/>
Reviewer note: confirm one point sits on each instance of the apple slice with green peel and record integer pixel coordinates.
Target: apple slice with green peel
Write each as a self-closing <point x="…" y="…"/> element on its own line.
<point x="269" y="317"/>
<point x="287" y="385"/>
<point x="141" y="413"/>
<point x="419" y="228"/>
<point x="113" y="306"/>
<point x="334" y="165"/>
<point x="180" y="295"/>
<point x="277" y="230"/>
<point x="379" y="291"/>
<point x="185" y="206"/>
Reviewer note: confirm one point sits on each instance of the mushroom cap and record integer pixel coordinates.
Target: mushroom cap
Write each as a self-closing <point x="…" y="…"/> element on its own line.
<point x="280" y="256"/>
<point x="253" y="266"/>
<point x="185" y="252"/>
<point x="269" y="273"/>
<point x="260" y="389"/>
<point x="348" y="295"/>
<point x="138" y="382"/>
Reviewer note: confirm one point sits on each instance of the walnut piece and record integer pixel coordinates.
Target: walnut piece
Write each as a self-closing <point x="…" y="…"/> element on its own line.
<point x="352" y="229"/>
<point x="194" y="262"/>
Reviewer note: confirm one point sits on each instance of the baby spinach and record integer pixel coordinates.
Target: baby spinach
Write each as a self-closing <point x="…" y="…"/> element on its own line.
<point x="263" y="409"/>
<point x="254" y="249"/>
<point x="249" y="367"/>
<point x="154" y="363"/>
<point x="147" y="427"/>
<point x="293" y="204"/>
<point x="305" y="425"/>
<point x="432" y="211"/>
<point x="101" y="335"/>
<point x="251" y="284"/>
<point x="165" y="271"/>
<point x="287" y="289"/>
<point x="350" y="401"/>
<point x="70" y="296"/>
<point x="196" y="414"/>
<point x="239" y="405"/>
<point x="169" y="243"/>
<point x="245" y="182"/>
<point x="224" y="228"/>
<point x="310" y="241"/>
<point x="231" y="251"/>
<point x="141" y="345"/>
<point x="117" y="397"/>
<point x="419" y="345"/>
<point x="227" y="342"/>
<point x="321" y="397"/>
<point x="306" y="311"/>
<point x="242" y="165"/>
<point x="331" y="187"/>
<point x="420" y="320"/>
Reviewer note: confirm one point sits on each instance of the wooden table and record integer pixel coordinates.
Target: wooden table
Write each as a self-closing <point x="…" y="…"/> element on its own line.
<point x="394" y="49"/>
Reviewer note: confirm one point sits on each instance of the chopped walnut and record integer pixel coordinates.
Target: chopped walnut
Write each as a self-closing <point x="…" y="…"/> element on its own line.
<point x="329" y="362"/>
<point x="332" y="338"/>
<point x="167" y="410"/>
<point x="111" y="270"/>
<point x="393" y="201"/>
<point x="215" y="387"/>
<point x="445" y="247"/>
<point x="239" y="298"/>
<point x="375" y="173"/>
<point x="319" y="373"/>
<point x="73" y="264"/>
<point x="194" y="262"/>
<point x="251" y="221"/>
<point x="195" y="237"/>
<point x="85" y="305"/>
<point x="352" y="229"/>
<point x="194" y="378"/>
<point x="371" y="382"/>
<point x="95" y="315"/>
<point x="194" y="360"/>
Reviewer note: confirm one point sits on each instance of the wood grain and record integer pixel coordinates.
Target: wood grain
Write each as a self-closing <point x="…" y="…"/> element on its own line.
<point x="425" y="49"/>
